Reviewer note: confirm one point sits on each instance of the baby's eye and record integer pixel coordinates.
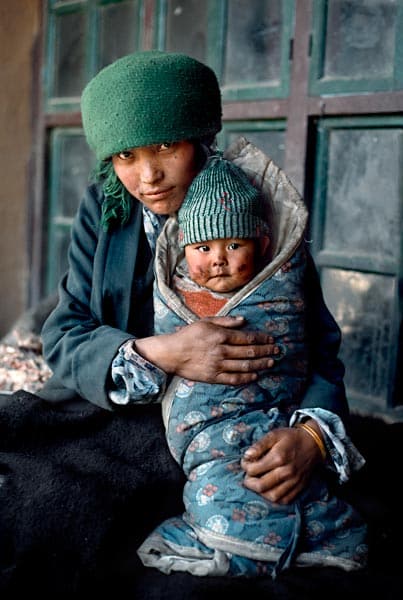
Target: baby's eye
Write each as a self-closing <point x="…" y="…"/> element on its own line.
<point x="203" y="248"/>
<point x="233" y="246"/>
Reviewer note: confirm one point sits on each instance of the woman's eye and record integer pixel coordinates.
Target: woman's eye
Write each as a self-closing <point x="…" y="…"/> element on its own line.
<point x="165" y="146"/>
<point x="125" y="155"/>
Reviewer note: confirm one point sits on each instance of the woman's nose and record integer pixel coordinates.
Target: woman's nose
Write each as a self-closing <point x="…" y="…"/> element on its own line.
<point x="150" y="171"/>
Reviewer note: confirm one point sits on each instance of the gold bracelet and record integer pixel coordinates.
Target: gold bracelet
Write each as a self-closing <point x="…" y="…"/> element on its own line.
<point x="315" y="436"/>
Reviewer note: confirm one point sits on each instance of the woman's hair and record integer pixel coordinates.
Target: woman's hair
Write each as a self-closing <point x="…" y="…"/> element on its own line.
<point x="118" y="202"/>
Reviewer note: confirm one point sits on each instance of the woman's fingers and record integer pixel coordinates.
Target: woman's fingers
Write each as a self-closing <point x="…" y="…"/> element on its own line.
<point x="274" y="488"/>
<point x="279" y="465"/>
<point x="211" y="350"/>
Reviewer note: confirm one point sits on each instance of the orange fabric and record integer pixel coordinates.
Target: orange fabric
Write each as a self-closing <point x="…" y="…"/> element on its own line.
<point x="202" y="303"/>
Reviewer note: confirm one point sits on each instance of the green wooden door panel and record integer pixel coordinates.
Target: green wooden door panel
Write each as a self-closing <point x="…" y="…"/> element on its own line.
<point x="82" y="37"/>
<point x="66" y="66"/>
<point x="364" y="305"/>
<point x="356" y="233"/>
<point x="246" y="42"/>
<point x="356" y="46"/>
<point x="70" y="168"/>
<point x="269" y="136"/>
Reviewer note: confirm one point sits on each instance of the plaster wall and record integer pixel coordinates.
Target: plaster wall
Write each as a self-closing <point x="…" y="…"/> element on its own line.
<point x="19" y="31"/>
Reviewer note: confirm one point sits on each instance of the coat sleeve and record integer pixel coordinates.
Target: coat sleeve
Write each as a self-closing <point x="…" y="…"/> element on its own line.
<point x="326" y="387"/>
<point x="78" y="344"/>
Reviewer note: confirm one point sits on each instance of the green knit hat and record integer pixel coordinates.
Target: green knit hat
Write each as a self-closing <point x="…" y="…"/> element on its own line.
<point x="221" y="203"/>
<point x="150" y="97"/>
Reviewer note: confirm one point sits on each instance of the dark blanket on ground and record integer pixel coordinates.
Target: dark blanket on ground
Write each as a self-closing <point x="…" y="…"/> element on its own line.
<point x="79" y="492"/>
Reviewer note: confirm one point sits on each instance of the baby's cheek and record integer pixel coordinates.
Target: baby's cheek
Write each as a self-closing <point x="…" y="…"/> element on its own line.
<point x="197" y="270"/>
<point x="245" y="268"/>
<point x="196" y="276"/>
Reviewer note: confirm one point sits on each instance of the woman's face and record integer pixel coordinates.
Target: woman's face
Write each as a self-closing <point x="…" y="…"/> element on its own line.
<point x="158" y="175"/>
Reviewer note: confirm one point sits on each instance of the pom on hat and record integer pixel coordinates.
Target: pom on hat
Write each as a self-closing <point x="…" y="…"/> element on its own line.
<point x="150" y="97"/>
<point x="221" y="203"/>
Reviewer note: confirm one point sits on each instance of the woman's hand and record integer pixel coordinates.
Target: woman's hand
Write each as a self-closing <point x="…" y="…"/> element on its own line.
<point x="279" y="465"/>
<point x="211" y="350"/>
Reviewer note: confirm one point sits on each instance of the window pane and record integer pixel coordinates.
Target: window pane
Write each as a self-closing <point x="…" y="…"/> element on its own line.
<point x="72" y="171"/>
<point x="186" y="27"/>
<point x="253" y="45"/>
<point x="360" y="40"/>
<point x="271" y="143"/>
<point x="118" y="31"/>
<point x="362" y="305"/>
<point x="363" y="196"/>
<point x="69" y="76"/>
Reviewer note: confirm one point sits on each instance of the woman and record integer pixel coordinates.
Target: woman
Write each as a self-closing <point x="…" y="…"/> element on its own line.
<point x="151" y="119"/>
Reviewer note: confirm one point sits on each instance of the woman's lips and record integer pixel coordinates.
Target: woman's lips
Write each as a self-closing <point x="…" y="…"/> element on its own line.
<point x="157" y="194"/>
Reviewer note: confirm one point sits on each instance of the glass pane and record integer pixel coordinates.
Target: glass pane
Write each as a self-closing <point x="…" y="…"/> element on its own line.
<point x="118" y="31"/>
<point x="363" y="195"/>
<point x="69" y="77"/>
<point x="271" y="143"/>
<point x="186" y="27"/>
<point x="253" y="45"/>
<point x="75" y="161"/>
<point x="362" y="305"/>
<point x="360" y="39"/>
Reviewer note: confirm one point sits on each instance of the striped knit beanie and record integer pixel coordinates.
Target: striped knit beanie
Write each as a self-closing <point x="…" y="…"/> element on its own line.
<point x="221" y="203"/>
<point x="150" y="97"/>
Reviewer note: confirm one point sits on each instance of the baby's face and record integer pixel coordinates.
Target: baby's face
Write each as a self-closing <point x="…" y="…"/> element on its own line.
<point x="221" y="265"/>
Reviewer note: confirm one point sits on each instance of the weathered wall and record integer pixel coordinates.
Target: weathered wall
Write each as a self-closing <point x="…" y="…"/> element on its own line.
<point x="19" y="30"/>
